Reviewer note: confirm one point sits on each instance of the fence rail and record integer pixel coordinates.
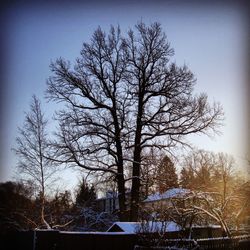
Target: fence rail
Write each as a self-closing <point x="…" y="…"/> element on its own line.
<point x="239" y="242"/>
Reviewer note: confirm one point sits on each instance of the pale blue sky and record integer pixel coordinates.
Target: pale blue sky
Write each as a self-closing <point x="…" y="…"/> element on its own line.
<point x="211" y="40"/>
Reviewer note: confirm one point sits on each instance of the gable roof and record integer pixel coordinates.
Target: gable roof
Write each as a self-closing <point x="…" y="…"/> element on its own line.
<point x="128" y="227"/>
<point x="171" y="193"/>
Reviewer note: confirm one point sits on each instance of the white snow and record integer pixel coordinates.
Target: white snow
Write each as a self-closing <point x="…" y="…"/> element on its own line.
<point x="171" y="193"/>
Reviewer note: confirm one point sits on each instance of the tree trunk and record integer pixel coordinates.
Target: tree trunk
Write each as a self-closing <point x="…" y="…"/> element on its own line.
<point x="121" y="184"/>
<point x="135" y="190"/>
<point x="120" y="169"/>
<point x="121" y="197"/>
<point x="44" y="222"/>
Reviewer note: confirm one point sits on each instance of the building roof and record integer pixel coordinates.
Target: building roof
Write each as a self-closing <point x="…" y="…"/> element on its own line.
<point x="171" y="193"/>
<point x="135" y="227"/>
<point x="128" y="227"/>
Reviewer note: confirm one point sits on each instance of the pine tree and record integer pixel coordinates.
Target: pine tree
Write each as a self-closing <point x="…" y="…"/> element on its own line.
<point x="187" y="178"/>
<point x="85" y="195"/>
<point x="167" y="177"/>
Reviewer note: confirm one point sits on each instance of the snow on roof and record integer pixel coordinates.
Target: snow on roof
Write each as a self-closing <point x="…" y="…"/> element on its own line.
<point x="206" y="226"/>
<point x="128" y="227"/>
<point x="98" y="233"/>
<point x="134" y="227"/>
<point x="167" y="226"/>
<point x="171" y="193"/>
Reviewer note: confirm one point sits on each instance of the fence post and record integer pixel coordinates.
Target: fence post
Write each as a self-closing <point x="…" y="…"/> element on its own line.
<point x="34" y="239"/>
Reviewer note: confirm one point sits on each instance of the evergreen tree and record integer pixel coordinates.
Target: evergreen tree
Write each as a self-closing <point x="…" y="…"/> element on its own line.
<point x="85" y="196"/>
<point x="187" y="178"/>
<point x="166" y="177"/>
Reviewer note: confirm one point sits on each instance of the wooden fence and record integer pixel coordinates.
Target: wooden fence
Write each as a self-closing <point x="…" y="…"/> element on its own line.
<point x="96" y="241"/>
<point x="237" y="243"/>
<point x="55" y="240"/>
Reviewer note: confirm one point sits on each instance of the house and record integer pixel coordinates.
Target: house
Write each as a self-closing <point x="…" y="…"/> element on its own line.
<point x="169" y="194"/>
<point x="109" y="203"/>
<point x="177" y="203"/>
<point x="169" y="228"/>
<point x="167" y="199"/>
<point x="205" y="231"/>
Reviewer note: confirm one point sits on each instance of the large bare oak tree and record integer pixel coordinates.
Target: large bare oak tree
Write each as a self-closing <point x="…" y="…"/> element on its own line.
<point x="123" y="96"/>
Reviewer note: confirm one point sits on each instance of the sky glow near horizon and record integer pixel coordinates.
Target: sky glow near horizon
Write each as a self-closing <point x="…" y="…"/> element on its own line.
<point x="211" y="41"/>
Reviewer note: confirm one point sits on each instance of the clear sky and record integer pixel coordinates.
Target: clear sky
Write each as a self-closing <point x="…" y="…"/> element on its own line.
<point x="211" y="39"/>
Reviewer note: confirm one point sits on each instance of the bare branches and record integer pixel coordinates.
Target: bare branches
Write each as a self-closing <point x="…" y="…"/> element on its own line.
<point x="32" y="148"/>
<point x="123" y="95"/>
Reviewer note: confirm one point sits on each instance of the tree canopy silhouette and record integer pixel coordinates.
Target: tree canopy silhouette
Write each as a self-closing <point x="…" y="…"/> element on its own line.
<point x="123" y="96"/>
<point x="85" y="195"/>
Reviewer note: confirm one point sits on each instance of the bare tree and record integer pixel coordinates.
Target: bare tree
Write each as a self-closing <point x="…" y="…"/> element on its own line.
<point x="199" y="169"/>
<point x="149" y="171"/>
<point x="222" y="196"/>
<point x="123" y="97"/>
<point x="31" y="148"/>
<point x="158" y="173"/>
